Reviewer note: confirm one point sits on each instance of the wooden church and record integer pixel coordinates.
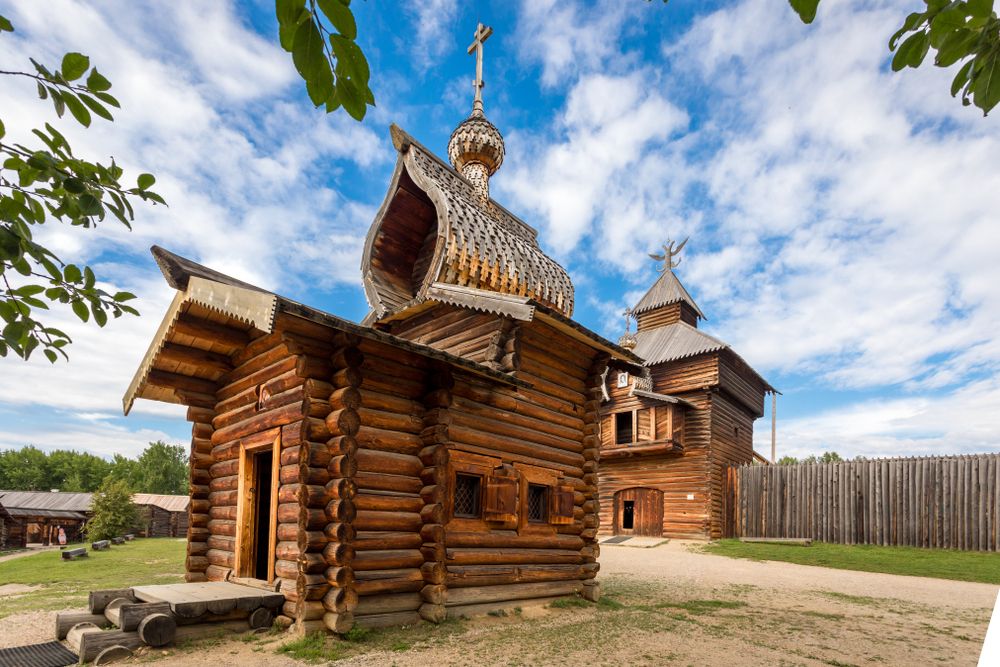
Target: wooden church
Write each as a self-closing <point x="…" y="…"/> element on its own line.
<point x="438" y="459"/>
<point x="669" y="432"/>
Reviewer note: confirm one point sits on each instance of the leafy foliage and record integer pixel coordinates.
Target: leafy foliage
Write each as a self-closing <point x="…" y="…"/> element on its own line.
<point x="959" y="31"/>
<point x="329" y="60"/>
<point x="825" y="457"/>
<point x="114" y="513"/>
<point x="161" y="468"/>
<point x="48" y="182"/>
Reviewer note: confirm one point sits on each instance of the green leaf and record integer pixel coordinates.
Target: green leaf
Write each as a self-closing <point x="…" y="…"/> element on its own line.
<point x="320" y="87"/>
<point x="806" y="9"/>
<point x="90" y="205"/>
<point x="307" y="53"/>
<point x="99" y="315"/>
<point x="74" y="65"/>
<point x="96" y="107"/>
<point x="108" y="98"/>
<point x="5" y="25"/>
<point x="124" y="296"/>
<point x="986" y="88"/>
<point x="351" y="98"/>
<point x="50" y="355"/>
<point x="955" y="46"/>
<point x="350" y="59"/>
<point x="962" y="78"/>
<point x="77" y="109"/>
<point x="980" y="8"/>
<point x="3" y="131"/>
<point x="145" y="181"/>
<point x="911" y="22"/>
<point x="72" y="273"/>
<point x="81" y="310"/>
<point x="911" y="52"/>
<point x="74" y="186"/>
<point x="289" y="11"/>
<point x="96" y="81"/>
<point x="945" y="23"/>
<point x="88" y="278"/>
<point x="341" y="17"/>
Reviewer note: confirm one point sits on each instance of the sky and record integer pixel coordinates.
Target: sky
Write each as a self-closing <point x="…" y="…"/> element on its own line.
<point x="843" y="218"/>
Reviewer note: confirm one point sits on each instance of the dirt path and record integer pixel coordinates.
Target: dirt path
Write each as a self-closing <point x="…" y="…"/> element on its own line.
<point x="671" y="605"/>
<point x="25" y="552"/>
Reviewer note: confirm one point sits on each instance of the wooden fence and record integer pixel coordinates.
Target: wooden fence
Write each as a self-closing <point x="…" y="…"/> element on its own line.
<point x="944" y="502"/>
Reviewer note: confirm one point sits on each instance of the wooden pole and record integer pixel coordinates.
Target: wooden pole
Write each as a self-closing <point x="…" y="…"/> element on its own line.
<point x="774" y="427"/>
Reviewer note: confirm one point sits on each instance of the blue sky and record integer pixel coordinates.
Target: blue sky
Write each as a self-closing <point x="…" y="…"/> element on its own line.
<point x="843" y="219"/>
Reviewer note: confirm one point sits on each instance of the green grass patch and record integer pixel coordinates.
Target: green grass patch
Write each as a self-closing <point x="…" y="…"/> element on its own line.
<point x="982" y="567"/>
<point x="569" y="603"/>
<point x="65" y="584"/>
<point x="315" y="647"/>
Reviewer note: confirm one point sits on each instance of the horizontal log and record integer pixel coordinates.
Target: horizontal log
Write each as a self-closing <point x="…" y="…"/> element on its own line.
<point x="378" y="540"/>
<point x="386" y="440"/>
<point x="388" y="581"/>
<point x="387" y="559"/>
<point x="387" y="620"/>
<point x="510" y="538"/>
<point x="388" y="463"/>
<point x="484" y="594"/>
<point x="339" y="532"/>
<point x="374" y="481"/>
<point x="460" y="576"/>
<point x="340" y="600"/>
<point x="339" y="623"/>
<point x="473" y="556"/>
<point x="381" y="502"/>
<point x="388" y="521"/>
<point x="65" y="620"/>
<point x="387" y="603"/>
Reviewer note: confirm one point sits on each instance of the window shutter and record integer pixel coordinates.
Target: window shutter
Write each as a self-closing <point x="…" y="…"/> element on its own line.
<point x="501" y="496"/>
<point x="561" y="504"/>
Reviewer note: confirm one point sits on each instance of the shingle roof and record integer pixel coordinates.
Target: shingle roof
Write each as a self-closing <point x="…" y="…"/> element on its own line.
<point x="484" y="245"/>
<point x="46" y="500"/>
<point x="674" y="341"/>
<point x="666" y="290"/>
<point x="168" y="503"/>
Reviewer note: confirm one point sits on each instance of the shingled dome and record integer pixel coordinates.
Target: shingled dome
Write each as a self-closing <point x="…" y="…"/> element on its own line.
<point x="433" y="227"/>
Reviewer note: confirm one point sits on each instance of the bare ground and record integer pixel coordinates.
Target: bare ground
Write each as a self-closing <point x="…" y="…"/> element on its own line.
<point x="668" y="605"/>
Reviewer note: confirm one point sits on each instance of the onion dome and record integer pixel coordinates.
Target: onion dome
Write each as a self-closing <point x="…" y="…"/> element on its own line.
<point x="476" y="151"/>
<point x="628" y="341"/>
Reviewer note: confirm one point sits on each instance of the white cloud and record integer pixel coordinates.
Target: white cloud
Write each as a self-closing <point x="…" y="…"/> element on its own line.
<point x="433" y="21"/>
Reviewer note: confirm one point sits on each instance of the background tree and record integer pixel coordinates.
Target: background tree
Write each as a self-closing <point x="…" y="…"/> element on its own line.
<point x="114" y="513"/>
<point x="162" y="468"/>
<point x="960" y="32"/>
<point x="45" y="183"/>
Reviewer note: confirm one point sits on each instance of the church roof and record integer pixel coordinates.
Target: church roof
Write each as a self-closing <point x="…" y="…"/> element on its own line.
<point x="666" y="290"/>
<point x="674" y="341"/>
<point x="479" y="243"/>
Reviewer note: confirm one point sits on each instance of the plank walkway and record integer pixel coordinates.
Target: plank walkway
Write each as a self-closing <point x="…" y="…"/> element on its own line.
<point x="216" y="597"/>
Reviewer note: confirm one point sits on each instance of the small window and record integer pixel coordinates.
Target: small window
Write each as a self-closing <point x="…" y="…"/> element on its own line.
<point x="623" y="428"/>
<point x="538" y="503"/>
<point x="468" y="491"/>
<point x="628" y="515"/>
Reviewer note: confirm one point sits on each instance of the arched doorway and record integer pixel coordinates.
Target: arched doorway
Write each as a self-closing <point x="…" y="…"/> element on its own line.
<point x="639" y="511"/>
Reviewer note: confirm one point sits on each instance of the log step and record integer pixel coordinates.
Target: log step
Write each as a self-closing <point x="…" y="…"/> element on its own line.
<point x="127" y="615"/>
<point x="73" y="554"/>
<point x="100" y="545"/>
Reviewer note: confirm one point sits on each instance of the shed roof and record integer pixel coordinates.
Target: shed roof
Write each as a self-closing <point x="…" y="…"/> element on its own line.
<point x="674" y="341"/>
<point x="666" y="290"/>
<point x="255" y="308"/>
<point x="46" y="500"/>
<point x="165" y="502"/>
<point x="46" y="514"/>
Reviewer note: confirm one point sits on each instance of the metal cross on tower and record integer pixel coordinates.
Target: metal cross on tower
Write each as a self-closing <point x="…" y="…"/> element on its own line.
<point x="482" y="34"/>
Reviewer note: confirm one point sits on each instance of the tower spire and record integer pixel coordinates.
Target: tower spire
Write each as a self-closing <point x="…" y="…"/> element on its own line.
<point x="476" y="147"/>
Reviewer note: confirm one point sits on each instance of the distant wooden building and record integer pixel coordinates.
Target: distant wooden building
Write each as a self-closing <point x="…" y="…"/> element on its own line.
<point x="439" y="459"/>
<point x="162" y="515"/>
<point x="669" y="432"/>
<point x="34" y="517"/>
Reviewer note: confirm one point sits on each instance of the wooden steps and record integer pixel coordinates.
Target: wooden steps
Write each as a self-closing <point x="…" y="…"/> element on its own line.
<point x="162" y="614"/>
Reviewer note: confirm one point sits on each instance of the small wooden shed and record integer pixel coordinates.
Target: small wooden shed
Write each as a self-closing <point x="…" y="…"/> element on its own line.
<point x="162" y="515"/>
<point x="36" y="516"/>
<point x="439" y="459"/>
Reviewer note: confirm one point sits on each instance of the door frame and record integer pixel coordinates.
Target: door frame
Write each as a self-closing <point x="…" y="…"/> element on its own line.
<point x="245" y="517"/>
<point x="618" y="503"/>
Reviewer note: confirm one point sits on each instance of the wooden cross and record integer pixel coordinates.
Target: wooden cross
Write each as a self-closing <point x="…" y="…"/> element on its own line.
<point x="482" y="34"/>
<point x="628" y="320"/>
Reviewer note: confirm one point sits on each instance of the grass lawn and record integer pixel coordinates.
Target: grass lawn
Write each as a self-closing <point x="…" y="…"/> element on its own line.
<point x="983" y="567"/>
<point x="65" y="584"/>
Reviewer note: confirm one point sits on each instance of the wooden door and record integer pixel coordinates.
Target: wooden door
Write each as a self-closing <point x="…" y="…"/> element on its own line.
<point x="257" y="507"/>
<point x="639" y="511"/>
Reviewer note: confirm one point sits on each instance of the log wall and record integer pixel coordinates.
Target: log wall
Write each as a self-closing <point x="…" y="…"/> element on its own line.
<point x="937" y="502"/>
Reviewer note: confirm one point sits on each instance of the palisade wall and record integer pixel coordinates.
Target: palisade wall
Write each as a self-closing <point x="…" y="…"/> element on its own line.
<point x="940" y="502"/>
